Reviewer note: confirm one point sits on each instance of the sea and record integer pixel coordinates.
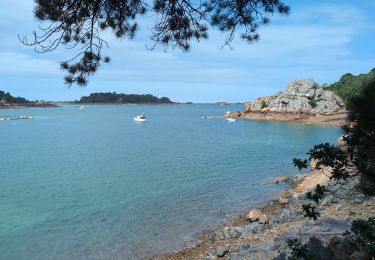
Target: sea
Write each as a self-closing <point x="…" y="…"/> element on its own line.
<point x="95" y="184"/>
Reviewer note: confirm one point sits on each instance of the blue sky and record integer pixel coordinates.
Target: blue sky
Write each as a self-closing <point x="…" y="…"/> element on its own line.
<point x="321" y="40"/>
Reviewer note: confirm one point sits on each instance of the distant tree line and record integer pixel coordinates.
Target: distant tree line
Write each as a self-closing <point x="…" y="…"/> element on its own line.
<point x="113" y="97"/>
<point x="350" y="86"/>
<point x="7" y="98"/>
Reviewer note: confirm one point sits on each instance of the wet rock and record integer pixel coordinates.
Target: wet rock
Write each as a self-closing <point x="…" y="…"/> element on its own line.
<point x="235" y="114"/>
<point x="281" y="179"/>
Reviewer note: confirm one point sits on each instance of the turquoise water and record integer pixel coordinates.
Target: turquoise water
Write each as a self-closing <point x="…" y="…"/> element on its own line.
<point x="94" y="184"/>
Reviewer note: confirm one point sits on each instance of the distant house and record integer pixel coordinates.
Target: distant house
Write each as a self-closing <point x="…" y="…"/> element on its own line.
<point x="2" y="102"/>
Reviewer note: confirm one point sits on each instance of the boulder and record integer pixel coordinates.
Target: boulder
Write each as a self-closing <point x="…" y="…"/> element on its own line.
<point x="253" y="229"/>
<point x="283" y="201"/>
<point x="222" y="251"/>
<point x="263" y="219"/>
<point x="285" y="215"/>
<point x="235" y="114"/>
<point x="254" y="215"/>
<point x="300" y="96"/>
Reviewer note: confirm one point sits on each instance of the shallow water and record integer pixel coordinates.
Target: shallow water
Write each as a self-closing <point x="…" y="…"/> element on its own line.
<point x="94" y="184"/>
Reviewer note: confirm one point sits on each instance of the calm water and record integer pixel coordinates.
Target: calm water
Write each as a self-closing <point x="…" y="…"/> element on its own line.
<point x="96" y="185"/>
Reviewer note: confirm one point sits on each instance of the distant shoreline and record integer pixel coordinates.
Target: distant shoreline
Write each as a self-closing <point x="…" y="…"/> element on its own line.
<point x="117" y="104"/>
<point x="29" y="105"/>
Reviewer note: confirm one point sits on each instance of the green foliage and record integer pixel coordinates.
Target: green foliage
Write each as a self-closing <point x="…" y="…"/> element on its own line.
<point x="362" y="136"/>
<point x="8" y="98"/>
<point x="81" y="25"/>
<point x="300" y="164"/>
<point x="313" y="103"/>
<point x="351" y="86"/>
<point x="124" y="98"/>
<point x="263" y="104"/>
<point x="362" y="235"/>
<point x="310" y="211"/>
<point x="299" y="251"/>
<point x="357" y="160"/>
<point x="318" y="193"/>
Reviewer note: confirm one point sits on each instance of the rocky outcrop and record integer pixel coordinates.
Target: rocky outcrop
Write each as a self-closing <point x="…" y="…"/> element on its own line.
<point x="301" y="96"/>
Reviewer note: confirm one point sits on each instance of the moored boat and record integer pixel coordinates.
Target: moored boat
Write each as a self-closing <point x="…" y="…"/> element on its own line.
<point x="140" y="118"/>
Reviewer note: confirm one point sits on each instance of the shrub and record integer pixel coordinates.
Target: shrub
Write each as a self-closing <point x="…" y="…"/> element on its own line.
<point x="263" y="104"/>
<point x="362" y="235"/>
<point x="356" y="163"/>
<point x="299" y="251"/>
<point x="313" y="103"/>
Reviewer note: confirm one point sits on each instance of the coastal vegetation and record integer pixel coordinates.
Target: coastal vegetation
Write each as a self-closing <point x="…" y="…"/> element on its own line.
<point x="353" y="161"/>
<point x="118" y="98"/>
<point x="263" y="104"/>
<point x="7" y="98"/>
<point x="349" y="164"/>
<point x="350" y="86"/>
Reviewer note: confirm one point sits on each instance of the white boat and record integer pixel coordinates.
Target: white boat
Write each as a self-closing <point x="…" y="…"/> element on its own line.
<point x="140" y="118"/>
<point x="231" y="119"/>
<point x="81" y="108"/>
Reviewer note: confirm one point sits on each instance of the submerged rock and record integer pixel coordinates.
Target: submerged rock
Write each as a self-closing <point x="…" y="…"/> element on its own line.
<point x="281" y="179"/>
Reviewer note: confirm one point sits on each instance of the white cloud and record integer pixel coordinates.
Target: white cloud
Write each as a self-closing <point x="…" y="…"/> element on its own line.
<point x="314" y="42"/>
<point x="12" y="63"/>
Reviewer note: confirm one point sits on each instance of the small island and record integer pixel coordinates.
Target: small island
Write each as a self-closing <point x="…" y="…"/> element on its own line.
<point x="7" y="101"/>
<point x="119" y="98"/>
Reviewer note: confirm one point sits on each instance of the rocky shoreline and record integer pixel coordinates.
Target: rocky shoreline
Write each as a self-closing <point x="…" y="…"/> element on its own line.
<point x="264" y="233"/>
<point x="303" y="101"/>
<point x="336" y="119"/>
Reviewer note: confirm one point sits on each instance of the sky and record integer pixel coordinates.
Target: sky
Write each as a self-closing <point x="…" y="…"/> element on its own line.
<point x="320" y="39"/>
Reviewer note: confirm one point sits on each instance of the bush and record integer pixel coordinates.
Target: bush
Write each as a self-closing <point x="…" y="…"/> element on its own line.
<point x="263" y="104"/>
<point x="299" y="251"/>
<point x="362" y="235"/>
<point x="313" y="103"/>
<point x="350" y="86"/>
<point x="357" y="161"/>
